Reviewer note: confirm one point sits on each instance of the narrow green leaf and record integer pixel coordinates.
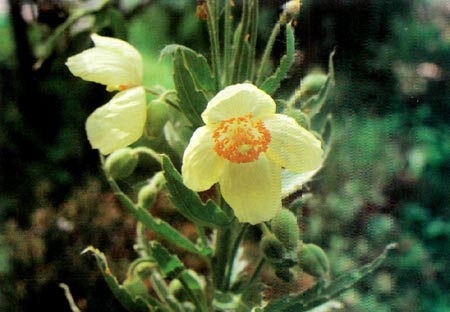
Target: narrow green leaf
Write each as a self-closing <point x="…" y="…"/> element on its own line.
<point x="314" y="106"/>
<point x="136" y="304"/>
<point x="271" y="84"/>
<point x="154" y="224"/>
<point x="189" y="203"/>
<point x="167" y="231"/>
<point x="323" y="292"/>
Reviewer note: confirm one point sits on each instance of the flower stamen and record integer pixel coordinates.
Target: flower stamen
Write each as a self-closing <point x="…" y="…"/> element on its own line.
<point x="241" y="139"/>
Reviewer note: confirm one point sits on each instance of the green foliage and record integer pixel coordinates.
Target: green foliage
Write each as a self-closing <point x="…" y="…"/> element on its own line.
<point x="134" y="304"/>
<point x="271" y="84"/>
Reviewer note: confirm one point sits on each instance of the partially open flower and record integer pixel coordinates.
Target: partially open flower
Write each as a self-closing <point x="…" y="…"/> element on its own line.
<point x="243" y="147"/>
<point x="112" y="62"/>
<point x="119" y="122"/>
<point x="118" y="65"/>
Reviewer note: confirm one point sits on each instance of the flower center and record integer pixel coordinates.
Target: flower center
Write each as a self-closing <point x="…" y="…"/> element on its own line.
<point x="241" y="139"/>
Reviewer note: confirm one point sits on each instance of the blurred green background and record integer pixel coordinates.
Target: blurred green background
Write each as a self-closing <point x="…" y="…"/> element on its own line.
<point x="387" y="178"/>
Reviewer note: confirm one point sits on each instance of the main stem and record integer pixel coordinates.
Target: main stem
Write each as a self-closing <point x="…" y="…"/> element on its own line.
<point x="222" y="255"/>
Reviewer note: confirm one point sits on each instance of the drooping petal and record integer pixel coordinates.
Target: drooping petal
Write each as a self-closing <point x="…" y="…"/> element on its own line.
<point x="292" y="146"/>
<point x="118" y="123"/>
<point x="112" y="62"/>
<point x="252" y="189"/>
<point x="238" y="100"/>
<point x="202" y="167"/>
<point x="292" y="182"/>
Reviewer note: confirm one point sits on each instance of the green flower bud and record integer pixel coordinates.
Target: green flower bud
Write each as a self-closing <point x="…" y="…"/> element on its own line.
<point x="147" y="194"/>
<point x="285" y="228"/>
<point x="313" y="260"/>
<point x="300" y="117"/>
<point x="121" y="163"/>
<point x="158" y="114"/>
<point x="311" y="84"/>
<point x="272" y="249"/>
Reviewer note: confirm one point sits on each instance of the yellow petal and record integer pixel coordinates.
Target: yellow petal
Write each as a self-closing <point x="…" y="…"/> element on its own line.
<point x="112" y="62"/>
<point x="118" y="123"/>
<point x="252" y="189"/>
<point x="238" y="100"/>
<point x="202" y="167"/>
<point x="292" y="146"/>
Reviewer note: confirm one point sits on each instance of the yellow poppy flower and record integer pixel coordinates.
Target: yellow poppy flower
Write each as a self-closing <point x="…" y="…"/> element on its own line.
<point x="112" y="62"/>
<point x="243" y="146"/>
<point x="119" y="122"/>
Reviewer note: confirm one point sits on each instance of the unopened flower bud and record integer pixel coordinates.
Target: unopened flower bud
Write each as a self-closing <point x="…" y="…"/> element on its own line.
<point x="292" y="7"/>
<point x="121" y="163"/>
<point x="300" y="117"/>
<point x="158" y="114"/>
<point x="313" y="260"/>
<point x="272" y="249"/>
<point x="290" y="10"/>
<point x="312" y="84"/>
<point x="285" y="228"/>
<point x="147" y="194"/>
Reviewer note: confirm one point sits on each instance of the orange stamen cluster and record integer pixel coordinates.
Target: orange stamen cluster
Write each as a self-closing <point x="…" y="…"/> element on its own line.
<point x="241" y="139"/>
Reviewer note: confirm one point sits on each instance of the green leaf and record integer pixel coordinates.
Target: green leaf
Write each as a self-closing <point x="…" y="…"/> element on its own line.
<point x="314" y="106"/>
<point x="169" y="265"/>
<point x="273" y="82"/>
<point x="154" y="224"/>
<point x="193" y="81"/>
<point x="322" y="292"/>
<point x="189" y="203"/>
<point x="136" y="304"/>
<point x="167" y="231"/>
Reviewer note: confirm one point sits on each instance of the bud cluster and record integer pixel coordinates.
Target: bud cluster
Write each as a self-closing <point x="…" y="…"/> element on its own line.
<point x="283" y="249"/>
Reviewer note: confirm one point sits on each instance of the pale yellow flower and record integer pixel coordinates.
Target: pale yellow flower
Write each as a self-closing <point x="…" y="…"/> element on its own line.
<point x="243" y="146"/>
<point x="112" y="62"/>
<point x="118" y="65"/>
